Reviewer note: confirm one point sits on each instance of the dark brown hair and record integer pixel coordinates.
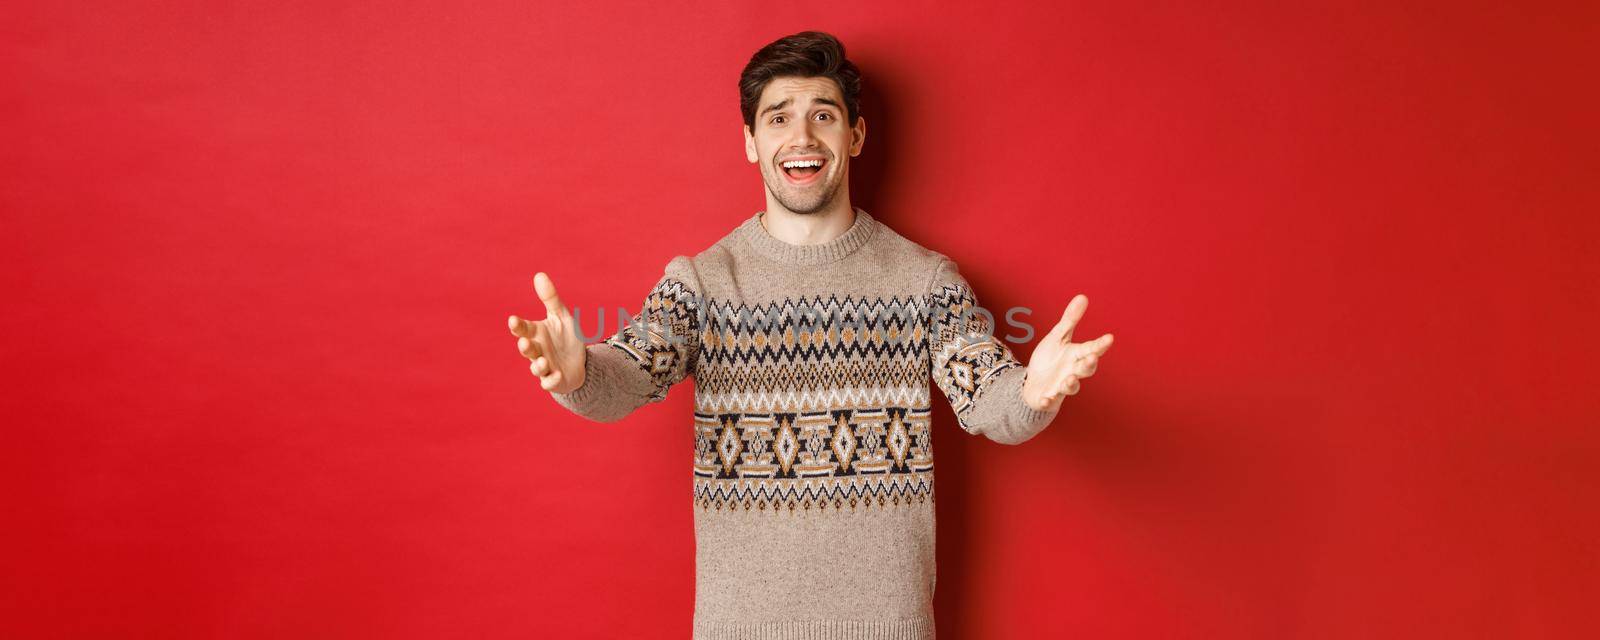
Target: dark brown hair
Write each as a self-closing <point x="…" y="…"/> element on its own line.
<point x="805" y="54"/>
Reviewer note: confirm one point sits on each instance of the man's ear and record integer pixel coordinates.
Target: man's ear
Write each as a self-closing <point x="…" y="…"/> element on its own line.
<point x="749" y="145"/>
<point x="858" y="136"/>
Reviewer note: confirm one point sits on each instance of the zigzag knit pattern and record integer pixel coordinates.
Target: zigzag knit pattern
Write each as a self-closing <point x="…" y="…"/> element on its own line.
<point x="821" y="389"/>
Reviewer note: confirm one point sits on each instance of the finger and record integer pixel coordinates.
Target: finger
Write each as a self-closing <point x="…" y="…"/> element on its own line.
<point x="1091" y="368"/>
<point x="547" y="293"/>
<point x="1086" y="366"/>
<point x="547" y="378"/>
<point x="1072" y="387"/>
<point x="1101" y="344"/>
<point x="1059" y="330"/>
<point x="1096" y="347"/>
<point x="529" y="348"/>
<point x="520" y="327"/>
<point x="1050" y="399"/>
<point x="540" y="336"/>
<point x="1060" y="388"/>
<point x="550" y="381"/>
<point x="1071" y="315"/>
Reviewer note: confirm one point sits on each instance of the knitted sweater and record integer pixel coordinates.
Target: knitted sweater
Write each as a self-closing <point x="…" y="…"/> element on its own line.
<point x="813" y="449"/>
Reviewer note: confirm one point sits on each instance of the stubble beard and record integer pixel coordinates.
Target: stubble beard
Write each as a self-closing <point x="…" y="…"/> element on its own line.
<point x="815" y="197"/>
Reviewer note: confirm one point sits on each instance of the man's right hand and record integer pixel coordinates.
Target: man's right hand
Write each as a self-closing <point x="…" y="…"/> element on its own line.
<point x="557" y="355"/>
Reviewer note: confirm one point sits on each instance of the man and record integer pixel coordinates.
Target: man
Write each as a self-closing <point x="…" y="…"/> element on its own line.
<point x="811" y="331"/>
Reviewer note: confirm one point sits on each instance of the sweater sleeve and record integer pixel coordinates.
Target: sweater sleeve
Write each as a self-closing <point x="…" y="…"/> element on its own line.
<point x="976" y="370"/>
<point x="639" y="363"/>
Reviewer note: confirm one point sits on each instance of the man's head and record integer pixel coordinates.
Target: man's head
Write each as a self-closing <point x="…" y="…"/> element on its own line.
<point x="800" y="99"/>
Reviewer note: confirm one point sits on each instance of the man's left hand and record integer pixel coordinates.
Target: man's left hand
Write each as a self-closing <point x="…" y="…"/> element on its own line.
<point x="1058" y="363"/>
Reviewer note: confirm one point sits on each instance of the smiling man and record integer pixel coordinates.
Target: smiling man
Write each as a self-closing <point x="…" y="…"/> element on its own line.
<point x="811" y="331"/>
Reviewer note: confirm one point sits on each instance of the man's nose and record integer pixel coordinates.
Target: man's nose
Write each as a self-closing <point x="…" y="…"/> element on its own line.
<point x="804" y="136"/>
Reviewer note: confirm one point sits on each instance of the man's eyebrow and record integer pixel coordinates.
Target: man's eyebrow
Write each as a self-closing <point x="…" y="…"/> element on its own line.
<point x="828" y="101"/>
<point x="785" y="102"/>
<point x="776" y="105"/>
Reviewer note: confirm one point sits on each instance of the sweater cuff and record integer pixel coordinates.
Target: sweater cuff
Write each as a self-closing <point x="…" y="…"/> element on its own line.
<point x="1020" y="422"/>
<point x="585" y="392"/>
<point x="1032" y="420"/>
<point x="613" y="385"/>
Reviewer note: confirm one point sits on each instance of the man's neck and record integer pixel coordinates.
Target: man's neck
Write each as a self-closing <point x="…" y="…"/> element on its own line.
<point x="811" y="228"/>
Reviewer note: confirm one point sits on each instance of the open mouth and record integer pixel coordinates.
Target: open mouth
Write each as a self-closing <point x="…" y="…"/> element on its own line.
<point x="804" y="170"/>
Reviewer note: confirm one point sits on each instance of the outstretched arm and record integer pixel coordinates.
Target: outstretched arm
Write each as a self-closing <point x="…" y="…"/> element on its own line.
<point x="989" y="389"/>
<point x="638" y="364"/>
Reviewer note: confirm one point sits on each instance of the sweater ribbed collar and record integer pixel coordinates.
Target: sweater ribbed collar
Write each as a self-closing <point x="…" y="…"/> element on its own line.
<point x="833" y="250"/>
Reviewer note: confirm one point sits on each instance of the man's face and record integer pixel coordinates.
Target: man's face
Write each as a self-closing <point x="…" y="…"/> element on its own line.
<point x="803" y="119"/>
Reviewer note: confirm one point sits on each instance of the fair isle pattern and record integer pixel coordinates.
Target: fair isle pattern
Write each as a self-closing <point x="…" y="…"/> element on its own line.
<point x="813" y="354"/>
<point x="813" y="403"/>
<point x="843" y="458"/>
<point x="816" y="402"/>
<point x="660" y="337"/>
<point x="969" y="355"/>
<point x="808" y="494"/>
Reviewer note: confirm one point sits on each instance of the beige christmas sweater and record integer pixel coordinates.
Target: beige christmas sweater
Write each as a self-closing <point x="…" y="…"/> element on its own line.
<point x="812" y="458"/>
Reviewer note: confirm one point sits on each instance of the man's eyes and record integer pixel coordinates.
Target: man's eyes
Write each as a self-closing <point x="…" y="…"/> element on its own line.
<point x="779" y="119"/>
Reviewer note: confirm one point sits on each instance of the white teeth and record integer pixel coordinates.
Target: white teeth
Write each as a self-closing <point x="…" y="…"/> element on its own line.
<point x="802" y="163"/>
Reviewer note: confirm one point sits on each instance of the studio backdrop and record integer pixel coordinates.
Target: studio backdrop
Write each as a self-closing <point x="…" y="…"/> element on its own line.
<point x="259" y="259"/>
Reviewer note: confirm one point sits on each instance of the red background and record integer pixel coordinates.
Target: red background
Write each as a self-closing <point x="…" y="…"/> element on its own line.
<point x="258" y="261"/>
